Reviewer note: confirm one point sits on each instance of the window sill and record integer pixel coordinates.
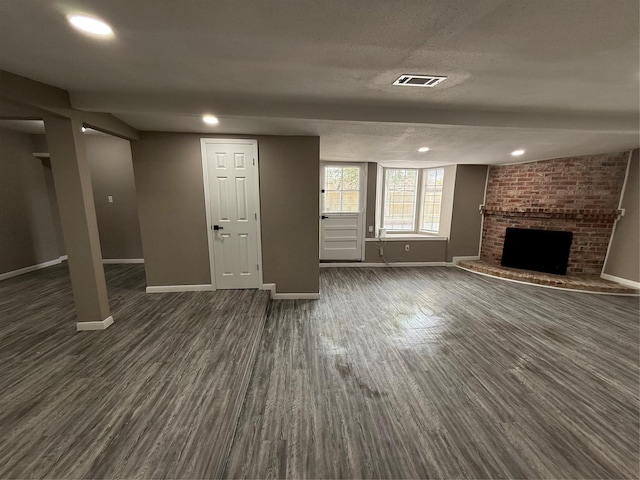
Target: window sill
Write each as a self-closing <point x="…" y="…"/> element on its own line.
<point x="402" y="238"/>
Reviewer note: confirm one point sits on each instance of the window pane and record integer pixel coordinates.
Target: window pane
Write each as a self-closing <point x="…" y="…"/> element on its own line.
<point x="350" y="201"/>
<point x="341" y="189"/>
<point x="432" y="199"/>
<point x="351" y="178"/>
<point x="333" y="178"/>
<point x="332" y="202"/>
<point x="400" y="186"/>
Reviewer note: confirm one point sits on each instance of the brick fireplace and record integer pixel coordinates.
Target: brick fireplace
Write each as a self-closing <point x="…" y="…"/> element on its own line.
<point x="576" y="194"/>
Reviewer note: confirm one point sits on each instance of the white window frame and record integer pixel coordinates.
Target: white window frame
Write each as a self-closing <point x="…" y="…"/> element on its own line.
<point x="415" y="198"/>
<point x="418" y="201"/>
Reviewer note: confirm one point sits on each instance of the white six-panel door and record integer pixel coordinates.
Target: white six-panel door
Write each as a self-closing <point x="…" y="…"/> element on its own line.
<point x="231" y="192"/>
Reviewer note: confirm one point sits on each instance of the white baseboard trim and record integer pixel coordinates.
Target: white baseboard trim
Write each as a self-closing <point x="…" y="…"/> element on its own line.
<point x="122" y="260"/>
<point x="621" y="281"/>
<point x="103" y="325"/>
<point x="382" y="264"/>
<point x="30" y="268"/>
<point x="457" y="260"/>
<point x="295" y="296"/>
<point x="268" y="286"/>
<point x="288" y="296"/>
<point x="64" y="258"/>
<point x="178" y="288"/>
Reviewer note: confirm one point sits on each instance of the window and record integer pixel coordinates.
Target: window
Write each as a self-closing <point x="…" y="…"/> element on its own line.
<point x="432" y="189"/>
<point x="400" y="188"/>
<point x="341" y="190"/>
<point x="411" y="200"/>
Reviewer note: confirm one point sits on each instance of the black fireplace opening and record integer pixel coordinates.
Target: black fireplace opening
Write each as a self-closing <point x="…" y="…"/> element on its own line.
<point x="538" y="250"/>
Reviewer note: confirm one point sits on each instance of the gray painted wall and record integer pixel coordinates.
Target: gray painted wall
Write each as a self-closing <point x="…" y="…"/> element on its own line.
<point x="27" y="234"/>
<point x="53" y="202"/>
<point x="466" y="220"/>
<point x="419" y="251"/>
<point x="446" y="205"/>
<point x="40" y="143"/>
<point x="624" y="255"/>
<point x="168" y="174"/>
<point x="290" y="202"/>
<point x="112" y="174"/>
<point x="29" y="218"/>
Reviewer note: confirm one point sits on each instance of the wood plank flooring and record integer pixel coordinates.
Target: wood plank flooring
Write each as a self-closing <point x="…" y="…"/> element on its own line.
<point x="394" y="373"/>
<point x="157" y="395"/>
<point x="441" y="373"/>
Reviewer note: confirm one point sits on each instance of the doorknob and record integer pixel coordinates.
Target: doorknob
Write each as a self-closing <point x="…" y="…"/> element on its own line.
<point x="323" y="217"/>
<point x="217" y="227"/>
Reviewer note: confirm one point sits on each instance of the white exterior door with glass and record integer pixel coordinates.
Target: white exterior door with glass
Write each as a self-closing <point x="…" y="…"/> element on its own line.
<point x="342" y="211"/>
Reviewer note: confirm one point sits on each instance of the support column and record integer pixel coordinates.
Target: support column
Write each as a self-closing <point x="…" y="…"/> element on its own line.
<point x="74" y="191"/>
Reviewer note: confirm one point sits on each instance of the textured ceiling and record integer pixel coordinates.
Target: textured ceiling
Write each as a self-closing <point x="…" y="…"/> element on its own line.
<point x="553" y="77"/>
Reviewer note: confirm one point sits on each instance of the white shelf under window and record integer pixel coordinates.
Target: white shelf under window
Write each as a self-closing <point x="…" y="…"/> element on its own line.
<point x="400" y="237"/>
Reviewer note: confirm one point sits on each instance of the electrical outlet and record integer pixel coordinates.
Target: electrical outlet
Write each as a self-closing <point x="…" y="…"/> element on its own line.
<point x="370" y="228"/>
<point x="381" y="251"/>
<point x="109" y="199"/>
<point x="406" y="248"/>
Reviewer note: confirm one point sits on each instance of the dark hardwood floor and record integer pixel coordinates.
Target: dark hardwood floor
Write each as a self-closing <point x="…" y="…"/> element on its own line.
<point x="441" y="373"/>
<point x="157" y="395"/>
<point x="394" y="373"/>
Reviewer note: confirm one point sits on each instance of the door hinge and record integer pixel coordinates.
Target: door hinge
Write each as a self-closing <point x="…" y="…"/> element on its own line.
<point x="254" y="162"/>
<point x="255" y="215"/>
<point x="258" y="267"/>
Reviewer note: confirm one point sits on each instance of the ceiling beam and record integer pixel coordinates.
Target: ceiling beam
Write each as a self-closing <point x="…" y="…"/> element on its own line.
<point x="16" y="111"/>
<point x="46" y="99"/>
<point x="379" y="112"/>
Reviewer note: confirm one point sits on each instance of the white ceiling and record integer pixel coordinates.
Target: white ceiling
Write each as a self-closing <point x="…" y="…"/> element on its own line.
<point x="553" y="77"/>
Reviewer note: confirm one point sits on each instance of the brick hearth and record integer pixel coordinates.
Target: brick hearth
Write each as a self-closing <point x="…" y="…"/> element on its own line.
<point x="570" y="282"/>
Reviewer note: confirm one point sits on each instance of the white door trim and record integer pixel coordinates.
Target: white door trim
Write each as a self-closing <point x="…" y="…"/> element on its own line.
<point x="364" y="187"/>
<point x="207" y="201"/>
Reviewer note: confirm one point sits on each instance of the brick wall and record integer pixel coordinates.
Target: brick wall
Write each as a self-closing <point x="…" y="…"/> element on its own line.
<point x="577" y="194"/>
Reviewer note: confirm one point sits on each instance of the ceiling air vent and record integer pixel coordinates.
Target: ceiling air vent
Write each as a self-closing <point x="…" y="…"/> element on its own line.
<point x="419" y="80"/>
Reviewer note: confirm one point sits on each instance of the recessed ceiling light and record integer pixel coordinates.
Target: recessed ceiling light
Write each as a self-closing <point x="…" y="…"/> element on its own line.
<point x="517" y="153"/>
<point x="210" y="120"/>
<point x="423" y="149"/>
<point x="91" y="25"/>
